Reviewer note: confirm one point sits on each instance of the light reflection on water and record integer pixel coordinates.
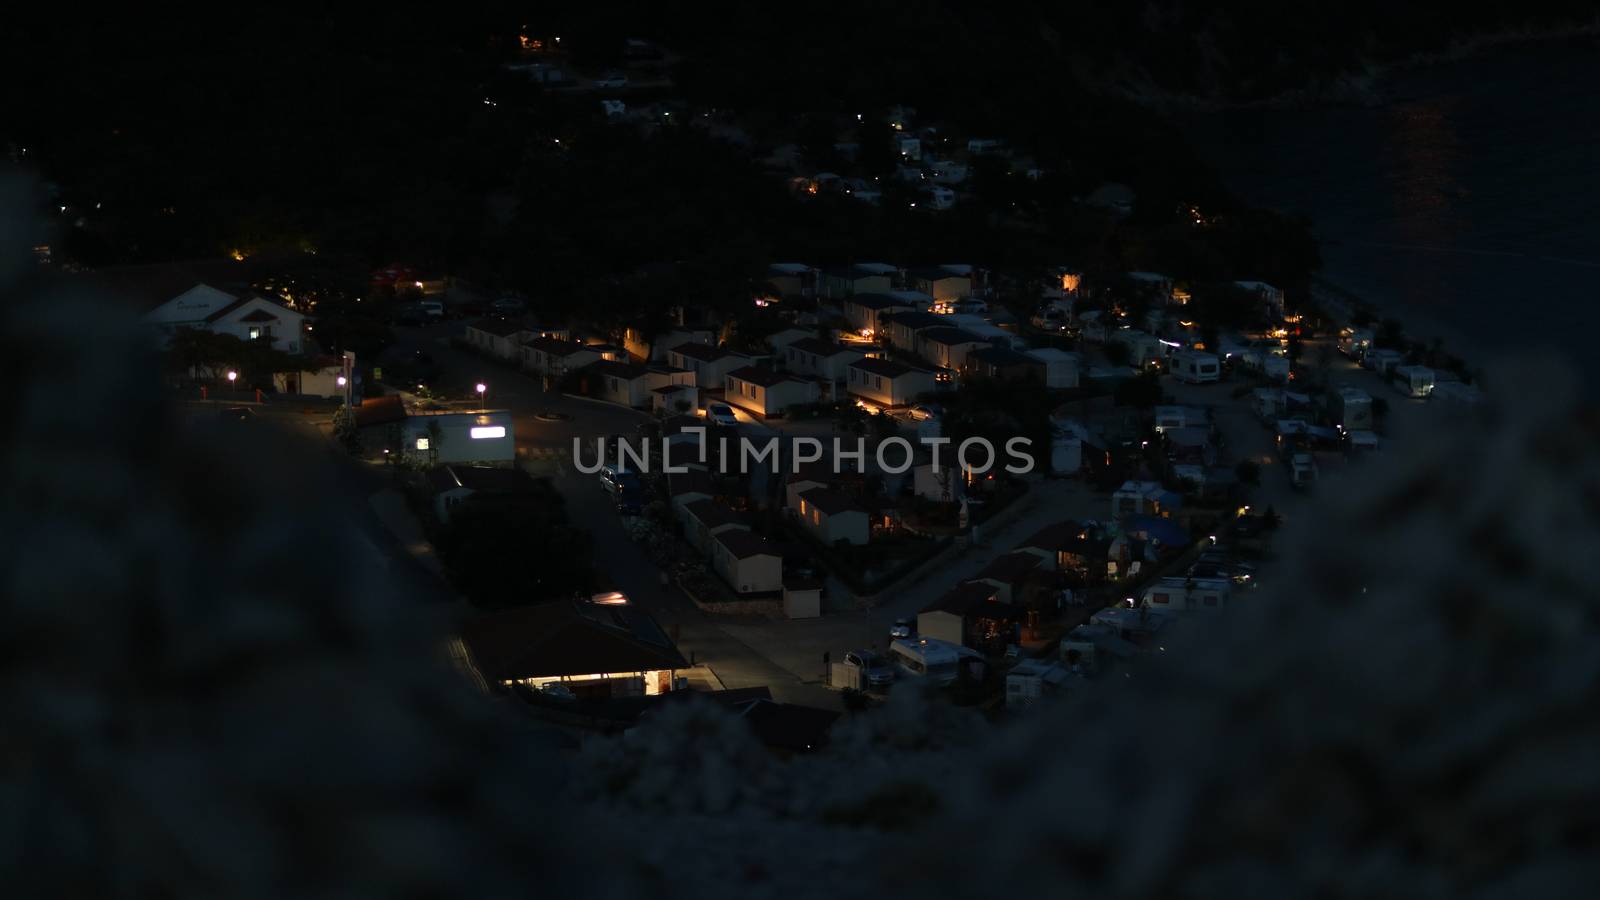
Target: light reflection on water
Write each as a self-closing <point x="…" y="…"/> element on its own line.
<point x="1469" y="198"/>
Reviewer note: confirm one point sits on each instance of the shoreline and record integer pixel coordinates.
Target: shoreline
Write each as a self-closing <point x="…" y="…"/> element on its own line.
<point x="1341" y="303"/>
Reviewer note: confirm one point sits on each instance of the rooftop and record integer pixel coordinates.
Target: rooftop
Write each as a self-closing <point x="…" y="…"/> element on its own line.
<point x="568" y="638"/>
<point x="888" y="368"/>
<point x="830" y="501"/>
<point x="498" y="327"/>
<point x="485" y="479"/>
<point x="744" y="545"/>
<point x="760" y="376"/>
<point x="963" y="598"/>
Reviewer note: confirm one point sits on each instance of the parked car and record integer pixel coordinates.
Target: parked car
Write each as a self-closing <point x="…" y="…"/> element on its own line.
<point x="617" y="481"/>
<point x="902" y="628"/>
<point x="509" y="306"/>
<point x="721" y="414"/>
<point x="921" y="413"/>
<point x="611" y="80"/>
<point x="237" y="414"/>
<point x="432" y="310"/>
<point x="875" y="669"/>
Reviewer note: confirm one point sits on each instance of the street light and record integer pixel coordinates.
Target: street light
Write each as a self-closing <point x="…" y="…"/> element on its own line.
<point x="481" y="388"/>
<point x="341" y="381"/>
<point x="232" y="376"/>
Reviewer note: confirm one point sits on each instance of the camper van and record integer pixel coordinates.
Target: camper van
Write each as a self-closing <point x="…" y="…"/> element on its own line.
<point x="1256" y="359"/>
<point x="1413" y="381"/>
<point x="931" y="658"/>
<point x="1194" y="367"/>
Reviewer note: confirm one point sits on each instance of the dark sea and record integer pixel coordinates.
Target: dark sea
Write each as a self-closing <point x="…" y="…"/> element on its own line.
<point x="1465" y="203"/>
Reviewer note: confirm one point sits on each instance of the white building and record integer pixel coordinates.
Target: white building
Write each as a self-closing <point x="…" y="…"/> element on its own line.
<point x="747" y="563"/>
<point x="763" y="392"/>
<point x="254" y="318"/>
<point x="886" y="383"/>
<point x="709" y="364"/>
<point x="832" y="516"/>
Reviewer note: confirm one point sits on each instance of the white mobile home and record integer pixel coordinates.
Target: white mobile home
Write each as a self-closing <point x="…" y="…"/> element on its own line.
<point x="1195" y="367"/>
<point x="1181" y="594"/>
<point x="763" y="392"/>
<point x="886" y="383"/>
<point x="1060" y="367"/>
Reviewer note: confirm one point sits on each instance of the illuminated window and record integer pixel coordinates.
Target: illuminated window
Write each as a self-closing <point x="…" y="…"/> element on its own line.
<point x="488" y="431"/>
<point x="255" y="332"/>
<point x="423" y="443"/>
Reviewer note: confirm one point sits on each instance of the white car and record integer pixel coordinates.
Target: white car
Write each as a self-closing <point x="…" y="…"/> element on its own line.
<point x="921" y="413"/>
<point x="721" y="414"/>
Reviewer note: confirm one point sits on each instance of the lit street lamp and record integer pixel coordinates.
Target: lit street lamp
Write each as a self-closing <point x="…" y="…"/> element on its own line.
<point x="232" y="377"/>
<point x="481" y="388"/>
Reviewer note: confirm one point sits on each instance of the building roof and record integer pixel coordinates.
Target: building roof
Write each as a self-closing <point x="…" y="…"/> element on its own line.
<point x="949" y="336"/>
<point x="1068" y="535"/>
<point x="888" y="368"/>
<point x="821" y="347"/>
<point x="963" y="598"/>
<point x="694" y="481"/>
<point x="917" y="318"/>
<point x="498" y="327"/>
<point x="568" y="638"/>
<point x="744" y="545"/>
<point x="788" y="726"/>
<point x="880" y="301"/>
<point x="556" y="347"/>
<point x="831" y="501"/>
<point x="712" y="514"/>
<point x="1010" y="568"/>
<point x="1000" y="356"/>
<point x="483" y="479"/>
<point x="380" y="411"/>
<point x="760" y="376"/>
<point x="614" y="369"/>
<point x="705" y="352"/>
<point x="258" y="316"/>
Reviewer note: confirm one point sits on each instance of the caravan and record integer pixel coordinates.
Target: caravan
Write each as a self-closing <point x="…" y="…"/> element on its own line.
<point x="1382" y="360"/>
<point x="931" y="658"/>
<point x="1351" y="409"/>
<point x="1195" y="367"/>
<point x="1413" y="381"/>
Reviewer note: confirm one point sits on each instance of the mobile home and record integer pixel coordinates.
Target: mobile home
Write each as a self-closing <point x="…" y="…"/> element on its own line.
<point x="1195" y="367"/>
<point x="1382" y="360"/>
